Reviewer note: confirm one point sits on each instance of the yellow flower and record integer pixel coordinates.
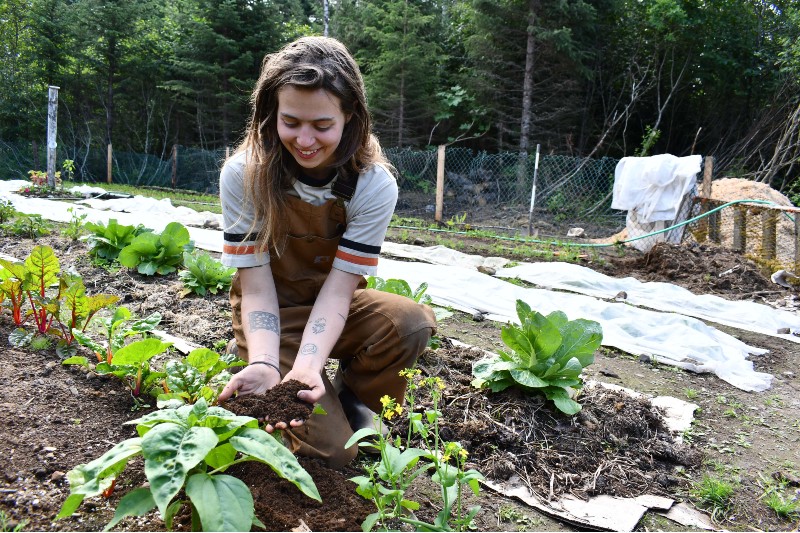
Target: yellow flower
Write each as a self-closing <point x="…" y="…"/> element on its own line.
<point x="386" y="400"/>
<point x="463" y="453"/>
<point x="399" y="409"/>
<point x="388" y="414"/>
<point x="446" y="457"/>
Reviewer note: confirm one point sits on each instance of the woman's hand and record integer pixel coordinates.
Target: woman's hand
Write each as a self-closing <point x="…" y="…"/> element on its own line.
<point x="255" y="379"/>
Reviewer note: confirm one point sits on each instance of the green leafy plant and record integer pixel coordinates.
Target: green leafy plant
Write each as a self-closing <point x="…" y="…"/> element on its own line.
<point x="188" y="449"/>
<point x="75" y="227"/>
<point x="714" y="494"/>
<point x="204" y="274"/>
<point x="387" y="480"/>
<point x="546" y="355"/>
<point x="106" y="241"/>
<point x="7" y="525"/>
<point x="200" y="375"/>
<point x="7" y="211"/>
<point x="131" y="365"/>
<point x="114" y="330"/>
<point x="29" y="226"/>
<point x="151" y="253"/>
<point x="75" y="311"/>
<point x="68" y="166"/>
<point x="30" y="282"/>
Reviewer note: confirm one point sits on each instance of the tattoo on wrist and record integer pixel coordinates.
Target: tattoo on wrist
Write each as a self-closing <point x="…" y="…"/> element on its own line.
<point x="308" y="349"/>
<point x="263" y="320"/>
<point x="318" y="326"/>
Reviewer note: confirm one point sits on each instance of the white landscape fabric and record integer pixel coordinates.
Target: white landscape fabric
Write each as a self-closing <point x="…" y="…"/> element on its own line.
<point x="672" y="338"/>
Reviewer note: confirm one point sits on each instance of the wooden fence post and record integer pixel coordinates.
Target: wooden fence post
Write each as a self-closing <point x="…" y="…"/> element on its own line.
<point x="439" y="183"/>
<point x="109" y="162"/>
<point x="797" y="243"/>
<point x="52" y="129"/>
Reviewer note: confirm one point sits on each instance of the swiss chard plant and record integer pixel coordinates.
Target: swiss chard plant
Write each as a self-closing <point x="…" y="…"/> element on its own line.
<point x="199" y="375"/>
<point x="35" y="282"/>
<point x="204" y="274"/>
<point x="131" y="365"/>
<point x="75" y="310"/>
<point x="114" y="330"/>
<point x="189" y="449"/>
<point x="106" y="241"/>
<point x="546" y="354"/>
<point x="151" y="253"/>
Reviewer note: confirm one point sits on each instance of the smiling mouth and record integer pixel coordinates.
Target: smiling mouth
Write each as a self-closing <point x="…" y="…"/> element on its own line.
<point x="307" y="154"/>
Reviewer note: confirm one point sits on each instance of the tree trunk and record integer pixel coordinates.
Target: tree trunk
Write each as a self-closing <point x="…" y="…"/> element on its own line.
<point x="527" y="97"/>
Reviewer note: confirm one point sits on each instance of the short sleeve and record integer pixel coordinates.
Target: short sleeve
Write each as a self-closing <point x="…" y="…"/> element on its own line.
<point x="239" y="232"/>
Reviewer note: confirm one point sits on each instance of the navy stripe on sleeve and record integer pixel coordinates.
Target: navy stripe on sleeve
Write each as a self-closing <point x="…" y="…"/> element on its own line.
<point x="359" y="247"/>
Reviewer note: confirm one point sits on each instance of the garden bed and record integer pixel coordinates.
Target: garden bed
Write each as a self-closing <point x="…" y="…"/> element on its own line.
<point x="56" y="417"/>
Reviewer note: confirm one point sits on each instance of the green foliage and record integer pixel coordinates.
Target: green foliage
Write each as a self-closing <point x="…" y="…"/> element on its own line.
<point x="6" y="524"/>
<point x="199" y="375"/>
<point x="130" y="364"/>
<point x="75" y="227"/>
<point x="151" y="253"/>
<point x="714" y="494"/>
<point x="113" y="330"/>
<point x="204" y="274"/>
<point x="106" y="241"/>
<point x="75" y="310"/>
<point x="188" y="449"/>
<point x="400" y="464"/>
<point x="546" y="355"/>
<point x="7" y="211"/>
<point x="28" y="226"/>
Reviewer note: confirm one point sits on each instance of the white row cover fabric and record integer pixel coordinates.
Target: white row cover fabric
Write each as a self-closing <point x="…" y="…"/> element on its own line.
<point x="670" y="338"/>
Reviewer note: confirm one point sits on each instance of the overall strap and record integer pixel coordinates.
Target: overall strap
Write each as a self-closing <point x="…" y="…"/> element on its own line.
<point x="345" y="185"/>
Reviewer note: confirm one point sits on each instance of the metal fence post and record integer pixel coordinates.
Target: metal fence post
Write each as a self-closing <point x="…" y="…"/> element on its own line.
<point x="533" y="191"/>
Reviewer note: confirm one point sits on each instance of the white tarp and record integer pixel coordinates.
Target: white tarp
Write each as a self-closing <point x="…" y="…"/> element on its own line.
<point x="671" y="338"/>
<point x="651" y="190"/>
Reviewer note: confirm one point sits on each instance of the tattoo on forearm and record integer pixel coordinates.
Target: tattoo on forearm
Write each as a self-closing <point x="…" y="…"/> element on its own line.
<point x="308" y="349"/>
<point x="263" y="320"/>
<point x="318" y="326"/>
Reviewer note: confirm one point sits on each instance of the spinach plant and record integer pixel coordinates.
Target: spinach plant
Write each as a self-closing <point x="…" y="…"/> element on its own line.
<point x="546" y="355"/>
<point x="188" y="449"/>
<point x="151" y="253"/>
<point x="199" y="375"/>
<point x="106" y="241"/>
<point x="204" y="274"/>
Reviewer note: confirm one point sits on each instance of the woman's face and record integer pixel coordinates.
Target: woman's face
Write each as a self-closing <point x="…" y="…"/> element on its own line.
<point x="310" y="126"/>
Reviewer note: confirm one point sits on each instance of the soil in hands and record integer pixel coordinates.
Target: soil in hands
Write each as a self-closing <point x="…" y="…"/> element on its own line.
<point x="278" y="404"/>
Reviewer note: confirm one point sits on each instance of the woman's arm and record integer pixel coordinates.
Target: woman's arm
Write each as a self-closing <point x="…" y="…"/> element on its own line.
<point x="262" y="330"/>
<point x="325" y="325"/>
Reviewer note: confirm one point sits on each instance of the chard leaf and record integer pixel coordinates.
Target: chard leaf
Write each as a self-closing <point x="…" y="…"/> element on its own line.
<point x="545" y="335"/>
<point x="224" y="503"/>
<point x="92" y="478"/>
<point x="170" y="451"/>
<point x="202" y="359"/>
<point x="138" y="352"/>
<point x="528" y="379"/>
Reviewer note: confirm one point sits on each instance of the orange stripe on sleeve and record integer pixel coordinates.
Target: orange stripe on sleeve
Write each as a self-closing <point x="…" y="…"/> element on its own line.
<point x="238" y="250"/>
<point x="356" y="259"/>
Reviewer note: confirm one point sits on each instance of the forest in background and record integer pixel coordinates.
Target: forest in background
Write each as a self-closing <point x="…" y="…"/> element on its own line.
<point x="587" y="78"/>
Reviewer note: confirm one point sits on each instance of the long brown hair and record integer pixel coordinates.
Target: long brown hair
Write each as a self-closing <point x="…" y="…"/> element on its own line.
<point x="307" y="63"/>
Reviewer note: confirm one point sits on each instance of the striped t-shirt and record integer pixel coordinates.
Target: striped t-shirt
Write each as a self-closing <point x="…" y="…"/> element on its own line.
<point x="368" y="214"/>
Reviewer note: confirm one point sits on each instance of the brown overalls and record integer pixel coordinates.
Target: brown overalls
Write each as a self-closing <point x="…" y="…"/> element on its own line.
<point x="384" y="333"/>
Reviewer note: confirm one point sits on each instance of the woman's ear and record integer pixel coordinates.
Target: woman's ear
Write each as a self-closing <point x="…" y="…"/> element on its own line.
<point x="348" y="117"/>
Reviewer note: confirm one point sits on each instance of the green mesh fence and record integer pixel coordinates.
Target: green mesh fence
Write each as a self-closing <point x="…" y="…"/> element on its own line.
<point x="496" y="190"/>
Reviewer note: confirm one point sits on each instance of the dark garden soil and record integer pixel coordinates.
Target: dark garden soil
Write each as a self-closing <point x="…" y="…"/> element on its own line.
<point x="55" y="417"/>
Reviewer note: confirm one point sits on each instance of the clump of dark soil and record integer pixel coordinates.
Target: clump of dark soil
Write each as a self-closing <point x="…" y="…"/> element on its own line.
<point x="278" y="404"/>
<point x="617" y="444"/>
<point x="281" y="506"/>
<point x="701" y="268"/>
